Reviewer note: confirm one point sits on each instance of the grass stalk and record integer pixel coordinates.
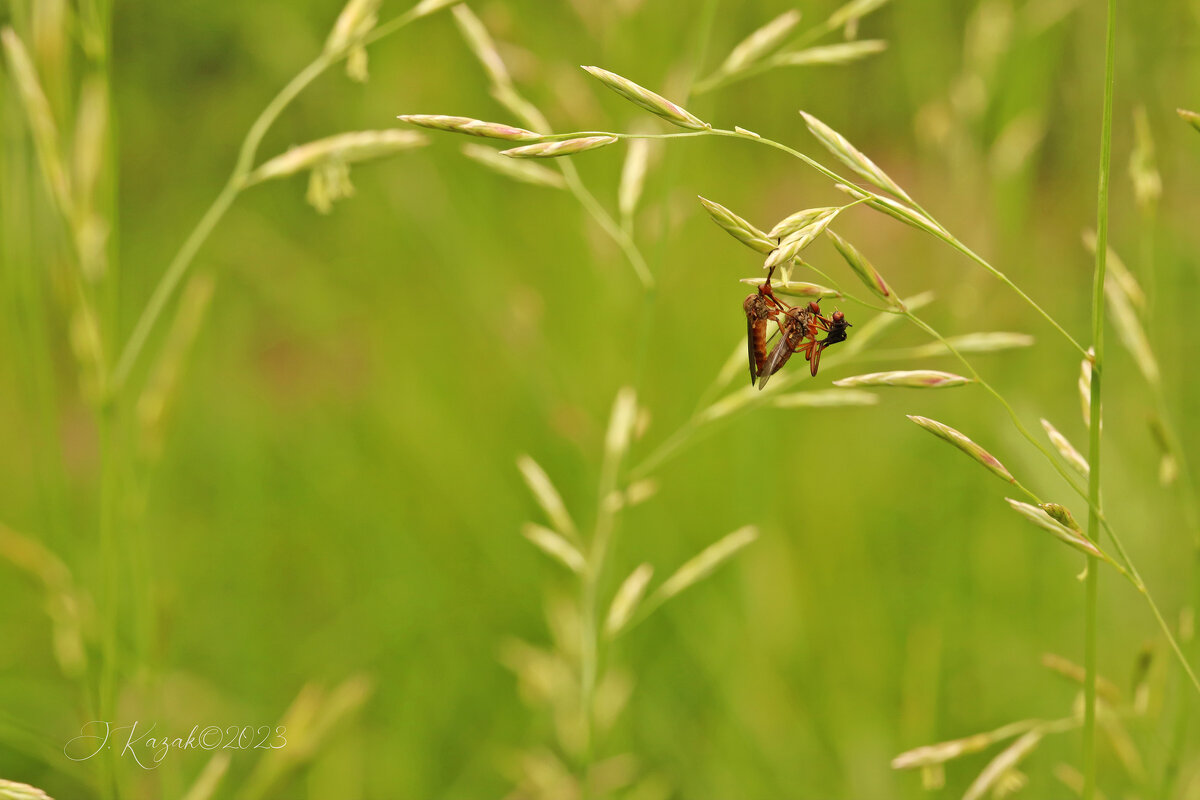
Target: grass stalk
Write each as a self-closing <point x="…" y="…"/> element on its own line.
<point x="169" y="283"/>
<point x="1093" y="529"/>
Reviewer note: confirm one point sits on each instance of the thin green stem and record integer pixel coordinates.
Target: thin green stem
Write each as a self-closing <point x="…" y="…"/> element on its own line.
<point x="1090" y="615"/>
<point x="169" y="283"/>
<point x="610" y="226"/>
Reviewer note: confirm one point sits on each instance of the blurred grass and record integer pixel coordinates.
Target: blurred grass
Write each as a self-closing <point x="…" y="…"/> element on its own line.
<point x="338" y="492"/>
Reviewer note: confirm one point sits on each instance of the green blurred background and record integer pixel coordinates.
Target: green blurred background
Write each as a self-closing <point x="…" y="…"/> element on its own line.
<point x="337" y="492"/>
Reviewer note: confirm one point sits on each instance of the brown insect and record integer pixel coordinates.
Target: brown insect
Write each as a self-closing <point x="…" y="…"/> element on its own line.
<point x="760" y="307"/>
<point x="796" y="325"/>
<point x="835" y="331"/>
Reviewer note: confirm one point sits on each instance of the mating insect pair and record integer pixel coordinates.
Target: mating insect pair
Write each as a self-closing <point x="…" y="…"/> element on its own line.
<point x="795" y="324"/>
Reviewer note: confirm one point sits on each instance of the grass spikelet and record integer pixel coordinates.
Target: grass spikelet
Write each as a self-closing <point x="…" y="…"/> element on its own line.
<point x="1085" y="386"/>
<point x="850" y="155"/>
<point x="737" y="227"/>
<point x="163" y="382"/>
<point x="1076" y="673"/>
<point x="1002" y="764"/>
<point x="1071" y="537"/>
<point x="63" y="602"/>
<point x="470" y="126"/>
<point x="427" y="7"/>
<point x="1190" y="117"/>
<point x="1168" y="466"/>
<point x="801" y="238"/>
<point x="11" y="790"/>
<point x="896" y="210"/>
<point x="357" y="19"/>
<point x="620" y="424"/>
<point x="1143" y="169"/>
<point x="963" y="443"/>
<point x="761" y="43"/>
<point x="310" y="722"/>
<point x="343" y="148"/>
<point x="982" y="342"/>
<point x="626" y="600"/>
<point x="913" y="379"/>
<point x="554" y="545"/>
<point x="1117" y="272"/>
<point x="1073" y="780"/>
<point x="1132" y="334"/>
<point x="328" y="182"/>
<point x="1067" y="450"/>
<point x="705" y="563"/>
<point x="480" y="43"/>
<point x="825" y="398"/>
<point x="853" y="11"/>
<point x="830" y="55"/>
<point x="210" y="777"/>
<point x="655" y="104"/>
<point x="547" y="497"/>
<point x="565" y="147"/>
<point x="633" y="178"/>
<point x="87" y="159"/>
<point x="940" y="753"/>
<point x="863" y="269"/>
<point x="519" y="170"/>
<point x="42" y="126"/>
<point x="795" y="222"/>
<point x="795" y="289"/>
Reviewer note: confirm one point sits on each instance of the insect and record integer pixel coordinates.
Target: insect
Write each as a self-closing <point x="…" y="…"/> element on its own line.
<point x="797" y="325"/>
<point x="760" y="307"/>
<point x="835" y="331"/>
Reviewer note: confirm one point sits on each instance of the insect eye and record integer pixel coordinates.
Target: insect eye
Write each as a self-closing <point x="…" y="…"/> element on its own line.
<point x="814" y="308"/>
<point x="838" y="316"/>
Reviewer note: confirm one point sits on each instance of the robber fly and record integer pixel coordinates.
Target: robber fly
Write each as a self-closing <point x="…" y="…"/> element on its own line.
<point x="796" y="325"/>
<point x="760" y="307"/>
<point x="835" y="331"/>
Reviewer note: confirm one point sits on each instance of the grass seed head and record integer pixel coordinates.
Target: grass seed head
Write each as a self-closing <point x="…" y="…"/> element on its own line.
<point x="830" y="55"/>
<point x="850" y="155"/>
<point x="965" y="444"/>
<point x="357" y="19"/>
<point x="1071" y="536"/>
<point x="706" y="562"/>
<point x="854" y="11"/>
<point x="469" y="126"/>
<point x="825" y="398"/>
<point x="737" y="227"/>
<point x="519" y="170"/>
<point x="547" y="496"/>
<point x="633" y="177"/>
<point x="627" y="598"/>
<point x="481" y="44"/>
<point x="1065" y="448"/>
<point x="654" y="103"/>
<point x="796" y="288"/>
<point x="40" y="119"/>
<point x="1190" y="117"/>
<point x="864" y="269"/>
<point x="762" y="42"/>
<point x="913" y="378"/>
<point x="791" y="247"/>
<point x="1003" y="765"/>
<point x="343" y="148"/>
<point x="554" y="545"/>
<point x="795" y="222"/>
<point x="11" y="790"/>
<point x="565" y="147"/>
<point x="1143" y="171"/>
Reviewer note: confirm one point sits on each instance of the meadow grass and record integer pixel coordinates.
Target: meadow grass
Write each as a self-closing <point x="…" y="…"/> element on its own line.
<point x="581" y="681"/>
